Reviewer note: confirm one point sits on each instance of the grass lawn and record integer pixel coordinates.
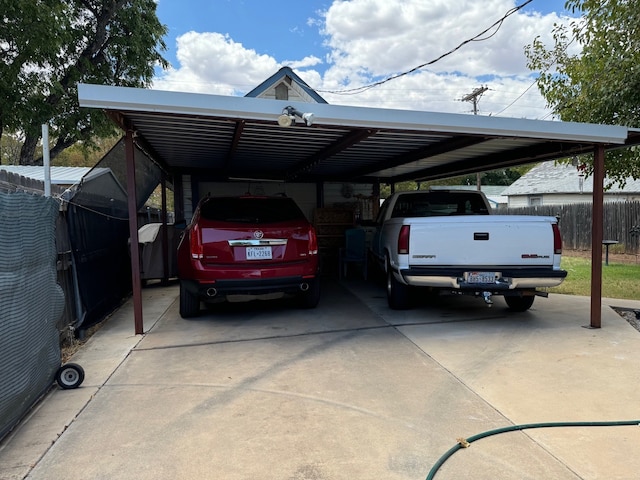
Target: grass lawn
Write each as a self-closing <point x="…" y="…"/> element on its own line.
<point x="619" y="280"/>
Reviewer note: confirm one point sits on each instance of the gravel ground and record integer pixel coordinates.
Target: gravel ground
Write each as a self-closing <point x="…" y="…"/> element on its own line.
<point x="630" y="315"/>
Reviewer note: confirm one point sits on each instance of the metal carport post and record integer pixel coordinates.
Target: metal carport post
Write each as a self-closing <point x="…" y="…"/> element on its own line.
<point x="596" y="236"/>
<point x="133" y="232"/>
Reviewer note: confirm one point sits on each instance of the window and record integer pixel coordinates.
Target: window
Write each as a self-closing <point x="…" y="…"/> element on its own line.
<point x="282" y="92"/>
<point x="535" y="200"/>
<point x="434" y="203"/>
<point x="250" y="209"/>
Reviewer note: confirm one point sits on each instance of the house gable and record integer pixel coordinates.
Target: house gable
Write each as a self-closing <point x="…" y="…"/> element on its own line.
<point x="286" y="85"/>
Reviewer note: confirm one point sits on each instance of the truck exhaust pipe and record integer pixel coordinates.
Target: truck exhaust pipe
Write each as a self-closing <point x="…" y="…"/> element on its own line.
<point x="211" y="292"/>
<point x="304" y="287"/>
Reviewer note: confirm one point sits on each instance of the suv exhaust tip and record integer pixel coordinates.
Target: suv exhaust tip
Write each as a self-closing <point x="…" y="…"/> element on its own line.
<point x="304" y="287"/>
<point x="211" y="292"/>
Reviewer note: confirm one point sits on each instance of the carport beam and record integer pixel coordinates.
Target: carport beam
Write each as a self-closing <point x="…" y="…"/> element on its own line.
<point x="133" y="233"/>
<point x="596" y="236"/>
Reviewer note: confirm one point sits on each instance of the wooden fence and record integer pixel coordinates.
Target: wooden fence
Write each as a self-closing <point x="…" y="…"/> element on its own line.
<point x="12" y="182"/>
<point x="621" y="222"/>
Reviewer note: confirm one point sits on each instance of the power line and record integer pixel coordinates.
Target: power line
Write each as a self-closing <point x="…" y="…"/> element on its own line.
<point x="576" y="33"/>
<point x="476" y="38"/>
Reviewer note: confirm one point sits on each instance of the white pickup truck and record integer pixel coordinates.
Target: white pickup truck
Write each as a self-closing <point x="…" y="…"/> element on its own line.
<point x="448" y="240"/>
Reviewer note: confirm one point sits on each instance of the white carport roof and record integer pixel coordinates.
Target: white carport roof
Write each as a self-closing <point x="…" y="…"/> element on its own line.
<point x="221" y="137"/>
<point x="226" y="137"/>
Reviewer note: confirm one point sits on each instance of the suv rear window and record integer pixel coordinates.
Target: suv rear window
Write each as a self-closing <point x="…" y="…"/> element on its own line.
<point x="251" y="210"/>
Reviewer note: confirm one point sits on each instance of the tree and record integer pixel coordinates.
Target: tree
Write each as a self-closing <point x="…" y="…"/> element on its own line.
<point x="80" y="155"/>
<point x="47" y="47"/>
<point x="602" y="83"/>
<point x="503" y="177"/>
<point x="10" y="150"/>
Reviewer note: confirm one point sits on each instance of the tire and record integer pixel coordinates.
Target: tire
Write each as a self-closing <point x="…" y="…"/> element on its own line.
<point x="397" y="293"/>
<point x="519" y="304"/>
<point x="311" y="297"/>
<point x="69" y="376"/>
<point x="189" y="303"/>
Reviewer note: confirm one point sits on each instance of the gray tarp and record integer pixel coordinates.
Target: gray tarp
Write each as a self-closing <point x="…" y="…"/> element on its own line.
<point x="98" y="222"/>
<point x="31" y="302"/>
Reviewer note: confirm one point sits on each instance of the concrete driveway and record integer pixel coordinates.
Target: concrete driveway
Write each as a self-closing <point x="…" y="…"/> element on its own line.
<point x="351" y="390"/>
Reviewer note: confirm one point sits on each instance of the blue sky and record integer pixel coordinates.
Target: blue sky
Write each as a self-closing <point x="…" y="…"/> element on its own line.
<point x="257" y="24"/>
<point x="230" y="46"/>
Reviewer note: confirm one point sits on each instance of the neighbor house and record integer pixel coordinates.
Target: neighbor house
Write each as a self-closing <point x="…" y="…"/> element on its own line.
<point x="27" y="178"/>
<point x="286" y="85"/>
<point x="552" y="183"/>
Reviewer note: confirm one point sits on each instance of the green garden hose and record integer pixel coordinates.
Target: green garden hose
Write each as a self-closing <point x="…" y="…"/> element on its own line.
<point x="464" y="443"/>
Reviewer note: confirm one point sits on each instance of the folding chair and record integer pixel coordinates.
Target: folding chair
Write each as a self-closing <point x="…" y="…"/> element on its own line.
<point x="354" y="251"/>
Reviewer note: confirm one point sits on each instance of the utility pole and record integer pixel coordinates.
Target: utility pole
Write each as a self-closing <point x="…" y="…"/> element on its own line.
<point x="475" y="97"/>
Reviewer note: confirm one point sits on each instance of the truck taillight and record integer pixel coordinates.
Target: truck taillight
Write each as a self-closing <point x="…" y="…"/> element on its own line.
<point x="403" y="240"/>
<point x="557" y="240"/>
<point x="195" y="243"/>
<point x="313" y="242"/>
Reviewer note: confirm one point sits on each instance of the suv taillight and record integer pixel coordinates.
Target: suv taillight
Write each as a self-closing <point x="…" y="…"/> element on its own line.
<point x="313" y="242"/>
<point x="557" y="240"/>
<point x="403" y="240"/>
<point x="195" y="243"/>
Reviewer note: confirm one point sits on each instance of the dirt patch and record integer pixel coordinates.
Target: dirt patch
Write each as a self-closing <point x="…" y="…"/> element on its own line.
<point x="72" y="344"/>
<point x="626" y="258"/>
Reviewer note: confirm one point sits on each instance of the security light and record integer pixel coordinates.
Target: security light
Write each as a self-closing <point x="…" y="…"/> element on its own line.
<point x="289" y="114"/>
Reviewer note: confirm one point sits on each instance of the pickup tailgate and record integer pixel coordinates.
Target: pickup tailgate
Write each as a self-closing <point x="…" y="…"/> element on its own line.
<point x="491" y="240"/>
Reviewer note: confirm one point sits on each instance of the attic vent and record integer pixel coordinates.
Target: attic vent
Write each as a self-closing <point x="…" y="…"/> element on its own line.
<point x="282" y="92"/>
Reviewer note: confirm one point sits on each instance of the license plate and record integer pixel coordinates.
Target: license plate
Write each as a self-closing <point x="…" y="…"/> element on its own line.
<point x="258" y="253"/>
<point x="481" y="277"/>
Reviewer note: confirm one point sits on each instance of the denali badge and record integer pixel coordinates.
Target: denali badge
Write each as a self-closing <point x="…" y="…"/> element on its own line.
<point x="258" y="234"/>
<point x="533" y="255"/>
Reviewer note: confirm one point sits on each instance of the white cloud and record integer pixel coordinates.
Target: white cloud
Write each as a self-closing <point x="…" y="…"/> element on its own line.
<point x="384" y="37"/>
<point x="213" y="63"/>
<point x="306" y="62"/>
<point x="370" y="40"/>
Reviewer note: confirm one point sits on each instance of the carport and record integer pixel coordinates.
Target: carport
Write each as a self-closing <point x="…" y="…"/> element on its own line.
<point x="225" y="138"/>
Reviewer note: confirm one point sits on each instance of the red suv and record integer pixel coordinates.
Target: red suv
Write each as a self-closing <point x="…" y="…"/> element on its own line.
<point x="246" y="248"/>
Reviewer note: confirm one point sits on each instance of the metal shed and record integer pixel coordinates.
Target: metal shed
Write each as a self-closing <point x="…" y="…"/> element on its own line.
<point x="224" y="138"/>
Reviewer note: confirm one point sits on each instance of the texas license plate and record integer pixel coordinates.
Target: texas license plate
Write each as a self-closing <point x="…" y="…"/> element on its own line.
<point x="481" y="277"/>
<point x="258" y="253"/>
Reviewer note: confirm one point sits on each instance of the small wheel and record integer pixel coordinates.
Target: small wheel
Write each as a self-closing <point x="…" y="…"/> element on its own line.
<point x="69" y="376"/>
<point x="519" y="304"/>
